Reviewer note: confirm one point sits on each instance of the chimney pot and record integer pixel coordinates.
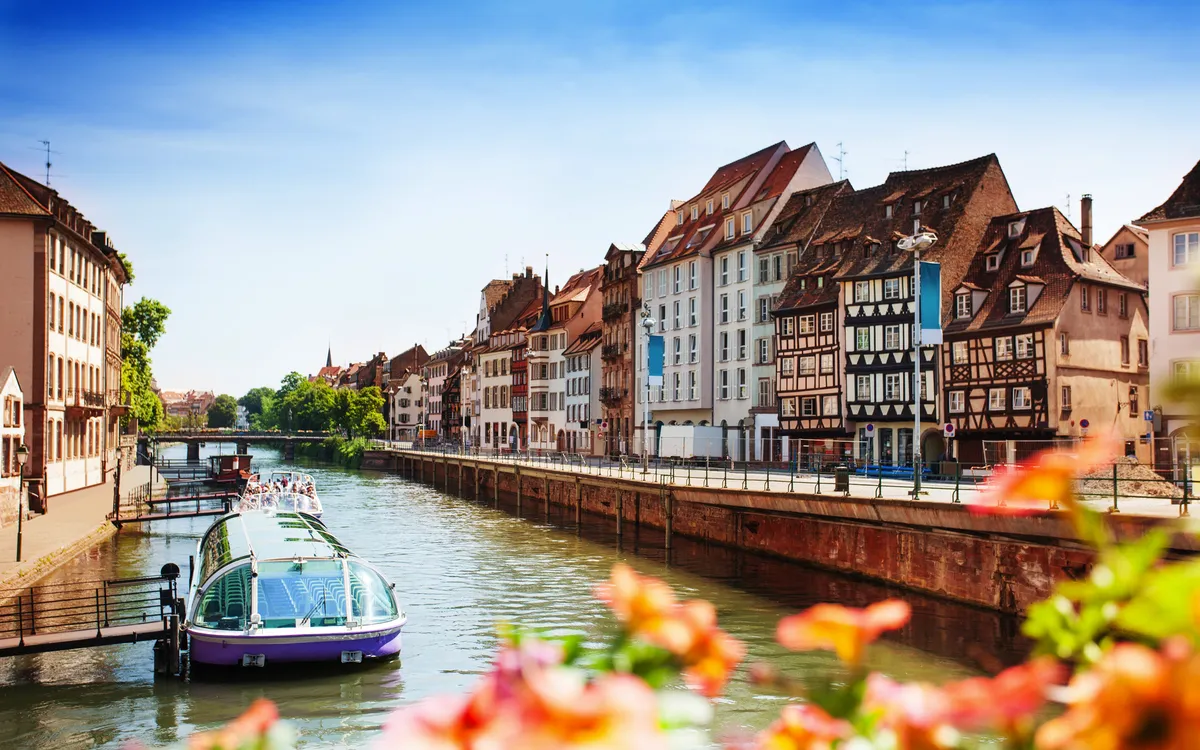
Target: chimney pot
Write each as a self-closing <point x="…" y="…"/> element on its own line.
<point x="528" y="272"/>
<point x="1085" y="212"/>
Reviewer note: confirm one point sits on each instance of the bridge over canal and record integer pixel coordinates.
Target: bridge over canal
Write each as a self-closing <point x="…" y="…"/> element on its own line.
<point x="243" y="439"/>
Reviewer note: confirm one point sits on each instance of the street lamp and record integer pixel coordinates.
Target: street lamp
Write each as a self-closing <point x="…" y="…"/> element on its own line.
<point x="648" y="324"/>
<point x="22" y="457"/>
<point x="916" y="243"/>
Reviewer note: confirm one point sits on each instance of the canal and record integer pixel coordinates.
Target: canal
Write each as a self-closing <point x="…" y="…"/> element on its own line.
<point x="460" y="568"/>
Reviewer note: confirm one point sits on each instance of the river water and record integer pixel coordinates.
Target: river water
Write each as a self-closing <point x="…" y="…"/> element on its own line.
<point x="460" y="567"/>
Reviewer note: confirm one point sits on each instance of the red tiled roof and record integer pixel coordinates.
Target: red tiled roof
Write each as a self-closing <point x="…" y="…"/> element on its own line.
<point x="15" y="198"/>
<point x="1184" y="202"/>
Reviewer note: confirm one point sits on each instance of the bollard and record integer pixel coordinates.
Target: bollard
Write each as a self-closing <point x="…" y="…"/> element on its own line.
<point x="957" y="477"/>
<point x="746" y="475"/>
<point x="1114" y="508"/>
<point x="578" y="503"/>
<point x="725" y="478"/>
<point x="819" y="477"/>
<point x="879" y="487"/>
<point x="767" y="486"/>
<point x="620" y="510"/>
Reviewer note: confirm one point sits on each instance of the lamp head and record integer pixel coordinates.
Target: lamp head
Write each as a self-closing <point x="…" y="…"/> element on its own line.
<point x="22" y="455"/>
<point x="919" y="241"/>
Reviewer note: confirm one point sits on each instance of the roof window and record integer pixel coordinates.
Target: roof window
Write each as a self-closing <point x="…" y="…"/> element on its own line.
<point x="1016" y="227"/>
<point x="725" y="201"/>
<point x="993" y="261"/>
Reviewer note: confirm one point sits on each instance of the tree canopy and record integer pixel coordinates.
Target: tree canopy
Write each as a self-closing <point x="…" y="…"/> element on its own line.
<point x="300" y="404"/>
<point x="223" y="411"/>
<point x="142" y="325"/>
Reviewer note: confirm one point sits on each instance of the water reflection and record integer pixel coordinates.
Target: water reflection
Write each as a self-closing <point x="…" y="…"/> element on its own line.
<point x="460" y="567"/>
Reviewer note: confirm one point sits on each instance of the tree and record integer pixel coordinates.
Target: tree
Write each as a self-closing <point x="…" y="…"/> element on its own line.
<point x="146" y="320"/>
<point x="223" y="411"/>
<point x="258" y="403"/>
<point x="142" y="325"/>
<point x="358" y="413"/>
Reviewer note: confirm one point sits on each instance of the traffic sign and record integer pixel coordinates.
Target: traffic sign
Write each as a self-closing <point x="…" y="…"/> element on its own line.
<point x="948" y="429"/>
<point x="870" y="428"/>
<point x="1084" y="423"/>
<point x="1148" y="415"/>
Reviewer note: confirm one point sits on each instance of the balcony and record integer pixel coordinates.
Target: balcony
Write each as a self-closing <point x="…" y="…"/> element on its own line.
<point x="613" y="396"/>
<point x="88" y="401"/>
<point x="610" y="352"/>
<point x="613" y="312"/>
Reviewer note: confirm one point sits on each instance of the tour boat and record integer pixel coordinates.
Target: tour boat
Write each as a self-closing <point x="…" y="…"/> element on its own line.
<point x="288" y="491"/>
<point x="274" y="586"/>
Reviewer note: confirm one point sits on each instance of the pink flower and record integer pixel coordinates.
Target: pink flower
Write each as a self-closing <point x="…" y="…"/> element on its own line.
<point x="845" y="630"/>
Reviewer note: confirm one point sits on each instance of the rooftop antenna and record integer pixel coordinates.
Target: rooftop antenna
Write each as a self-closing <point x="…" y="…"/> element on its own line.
<point x="48" y="164"/>
<point x="1069" y="207"/>
<point x="506" y="265"/>
<point x="841" y="159"/>
<point x="905" y="160"/>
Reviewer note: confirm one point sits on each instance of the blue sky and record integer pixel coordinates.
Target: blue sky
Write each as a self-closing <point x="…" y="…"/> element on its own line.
<point x="284" y="177"/>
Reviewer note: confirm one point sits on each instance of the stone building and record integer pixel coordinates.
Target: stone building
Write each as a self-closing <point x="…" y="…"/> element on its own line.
<point x="619" y="332"/>
<point x="12" y="437"/>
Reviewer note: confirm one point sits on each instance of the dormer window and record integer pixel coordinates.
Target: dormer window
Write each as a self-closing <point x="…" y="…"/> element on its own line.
<point x="1016" y="227"/>
<point x="962" y="306"/>
<point x="916" y="208"/>
<point x="747" y="223"/>
<point x="725" y="201"/>
<point x="993" y="261"/>
<point x="679" y="217"/>
<point x="1016" y="299"/>
<point x="808" y="202"/>
<point x="947" y="199"/>
<point x="820" y="282"/>
<point x="871" y="249"/>
<point x="887" y="211"/>
<point x="730" y="228"/>
<point x="1028" y="256"/>
<point x="695" y="212"/>
<point x="708" y="207"/>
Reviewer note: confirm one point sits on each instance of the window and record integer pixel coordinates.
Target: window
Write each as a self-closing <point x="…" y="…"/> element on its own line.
<point x="996" y="399"/>
<point x="662" y="318"/>
<point x="892" y="386"/>
<point x="692" y="317"/>
<point x="1064" y="344"/>
<point x="1134" y="412"/>
<point x="1102" y="302"/>
<point x="725" y="270"/>
<point x="862" y="339"/>
<point x="1125" y="350"/>
<point x="742" y="270"/>
<point x="692" y="275"/>
<point x="723" y="385"/>
<point x="695" y="214"/>
<point x="708" y="207"/>
<point x="946" y="199"/>
<point x="1004" y="348"/>
<point x="1016" y="299"/>
<point x="677" y="279"/>
<point x="747" y="222"/>
<point x="764" y="270"/>
<point x="741" y="383"/>
<point x="675" y="384"/>
<point x="742" y="343"/>
<point x="1016" y="227"/>
<point x="764" y="351"/>
<point x="808" y="365"/>
<point x="677" y="351"/>
<point x="891" y="288"/>
<point x="1143" y="353"/>
<point x="763" y="309"/>
<point x="1028" y="256"/>
<point x="692" y="391"/>
<point x="826" y="322"/>
<point x="916" y="207"/>
<point x="862" y="387"/>
<point x="862" y="291"/>
<point x="1025" y="346"/>
<point x="1085" y="298"/>
<point x="787" y="366"/>
<point x="648" y="286"/>
<point x="724" y="346"/>
<point x="1187" y="249"/>
<point x="957" y="402"/>
<point x="676" y="317"/>
<point x="1065" y="398"/>
<point x="1184" y="369"/>
<point x="1021" y="397"/>
<point x="741" y="311"/>
<point x="788" y="407"/>
<point x="786" y="326"/>
<point x="725" y="201"/>
<point x="826" y="363"/>
<point x="724" y="309"/>
<point x="1187" y="312"/>
<point x="829" y="406"/>
<point x="891" y="336"/>
<point x="993" y="261"/>
<point x="662" y="282"/>
<point x="806" y="323"/>
<point x="962" y="306"/>
<point x="887" y="211"/>
<point x="1123" y="251"/>
<point x="777" y="267"/>
<point x="808" y="406"/>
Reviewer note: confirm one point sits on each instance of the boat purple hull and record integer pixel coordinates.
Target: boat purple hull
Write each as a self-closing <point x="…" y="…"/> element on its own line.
<point x="228" y="648"/>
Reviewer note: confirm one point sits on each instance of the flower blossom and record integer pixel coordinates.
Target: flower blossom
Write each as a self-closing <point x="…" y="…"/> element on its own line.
<point x="1005" y="702"/>
<point x="845" y="630"/>
<point x="914" y="713"/>
<point x="534" y="704"/>
<point x="1046" y="481"/>
<point x="802" y="727"/>
<point x="1134" y="698"/>
<point x="248" y="729"/>
<point x="642" y="603"/>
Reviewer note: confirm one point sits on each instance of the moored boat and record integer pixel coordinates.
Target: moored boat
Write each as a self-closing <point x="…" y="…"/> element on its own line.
<point x="273" y="587"/>
<point x="288" y="491"/>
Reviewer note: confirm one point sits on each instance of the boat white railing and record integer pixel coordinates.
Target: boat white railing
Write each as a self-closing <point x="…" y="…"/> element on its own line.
<point x="280" y="500"/>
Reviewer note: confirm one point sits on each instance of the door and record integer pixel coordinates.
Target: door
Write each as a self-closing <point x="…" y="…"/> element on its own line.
<point x="886" y="455"/>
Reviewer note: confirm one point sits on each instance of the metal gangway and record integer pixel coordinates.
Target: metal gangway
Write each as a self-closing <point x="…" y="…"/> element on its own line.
<point x="87" y="614"/>
<point x="141" y="505"/>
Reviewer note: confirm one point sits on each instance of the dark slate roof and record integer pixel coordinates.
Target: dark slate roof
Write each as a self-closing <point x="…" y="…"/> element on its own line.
<point x="15" y="196"/>
<point x="1058" y="266"/>
<point x="1184" y="203"/>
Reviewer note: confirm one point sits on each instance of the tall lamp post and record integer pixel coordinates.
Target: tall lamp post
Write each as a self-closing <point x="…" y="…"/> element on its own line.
<point x="916" y="243"/>
<point x="648" y="325"/>
<point x="22" y="457"/>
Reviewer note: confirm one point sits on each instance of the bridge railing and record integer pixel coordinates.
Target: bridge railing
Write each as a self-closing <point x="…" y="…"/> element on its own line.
<point x="87" y="605"/>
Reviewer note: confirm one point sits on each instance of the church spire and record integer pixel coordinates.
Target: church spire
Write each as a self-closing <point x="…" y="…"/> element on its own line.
<point x="329" y="357"/>
<point x="544" y="321"/>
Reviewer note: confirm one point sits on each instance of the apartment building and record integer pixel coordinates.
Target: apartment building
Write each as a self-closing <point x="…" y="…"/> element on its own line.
<point x="61" y="314"/>
<point x="403" y="397"/>
<point x="1174" y="266"/>
<point x="1127" y="252"/>
<point x="620" y="317"/>
<point x="584" y="370"/>
<point x="494" y="363"/>
<point x="12" y="437"/>
<point x="1045" y="341"/>
<point x="440" y="366"/>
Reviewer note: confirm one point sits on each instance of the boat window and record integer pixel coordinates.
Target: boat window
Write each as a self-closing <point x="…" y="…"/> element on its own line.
<point x="371" y="597"/>
<point x="299" y="594"/>
<point x="226" y="603"/>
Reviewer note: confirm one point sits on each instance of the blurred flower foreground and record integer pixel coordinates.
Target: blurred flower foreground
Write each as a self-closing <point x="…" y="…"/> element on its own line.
<point x="1115" y="666"/>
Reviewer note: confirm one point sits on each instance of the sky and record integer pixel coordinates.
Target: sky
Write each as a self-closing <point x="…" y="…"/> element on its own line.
<point x="288" y="177"/>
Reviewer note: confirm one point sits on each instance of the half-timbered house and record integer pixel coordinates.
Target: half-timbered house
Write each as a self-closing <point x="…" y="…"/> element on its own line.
<point x="1044" y="340"/>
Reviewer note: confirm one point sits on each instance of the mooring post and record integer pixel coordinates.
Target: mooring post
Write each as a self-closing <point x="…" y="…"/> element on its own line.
<point x="546" y="486"/>
<point x="578" y="502"/>
<point x="475" y="479"/>
<point x="460" y="473"/>
<point x="620" y="510"/>
<point x="496" y="485"/>
<point x="517" y="469"/>
<point x="667" y="503"/>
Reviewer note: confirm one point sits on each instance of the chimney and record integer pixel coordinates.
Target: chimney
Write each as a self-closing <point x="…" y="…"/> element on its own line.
<point x="1085" y="214"/>
<point x="528" y="272"/>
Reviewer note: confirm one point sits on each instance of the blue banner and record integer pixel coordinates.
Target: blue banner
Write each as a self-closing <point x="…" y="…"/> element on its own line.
<point x="931" y="303"/>
<point x="656" y="357"/>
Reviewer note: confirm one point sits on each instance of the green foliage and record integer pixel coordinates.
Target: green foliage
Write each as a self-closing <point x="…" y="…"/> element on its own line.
<point x="142" y="325"/>
<point x="128" y="266"/>
<point x="358" y="413"/>
<point x="348" y="453"/>
<point x="223" y="412"/>
<point x="146" y="320"/>
<point x="257" y="400"/>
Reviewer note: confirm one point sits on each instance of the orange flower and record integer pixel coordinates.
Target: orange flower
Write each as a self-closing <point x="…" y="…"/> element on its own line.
<point x="528" y="703"/>
<point x="802" y="727"/>
<point x="914" y="712"/>
<point x="245" y="729"/>
<point x="1133" y="698"/>
<point x="844" y="630"/>
<point x="1003" y="702"/>
<point x="641" y="603"/>
<point x="1046" y="481"/>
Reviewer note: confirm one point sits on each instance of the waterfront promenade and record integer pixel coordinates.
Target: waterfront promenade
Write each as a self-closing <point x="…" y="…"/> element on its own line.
<point x="76" y="521"/>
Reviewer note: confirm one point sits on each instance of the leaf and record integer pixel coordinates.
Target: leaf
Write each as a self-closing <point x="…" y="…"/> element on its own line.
<point x="1165" y="604"/>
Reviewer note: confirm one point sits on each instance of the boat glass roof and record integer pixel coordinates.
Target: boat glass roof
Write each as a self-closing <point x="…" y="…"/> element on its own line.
<point x="269" y="536"/>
